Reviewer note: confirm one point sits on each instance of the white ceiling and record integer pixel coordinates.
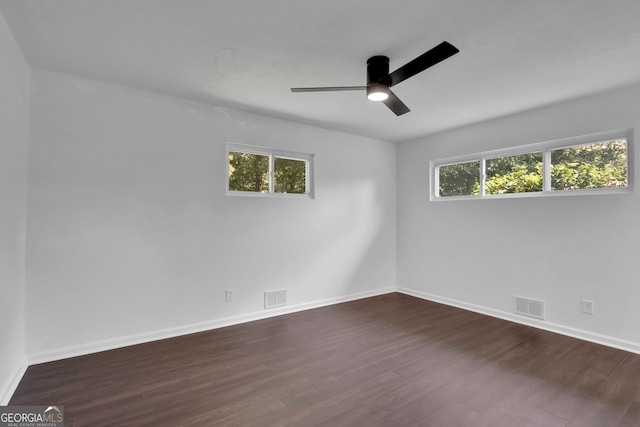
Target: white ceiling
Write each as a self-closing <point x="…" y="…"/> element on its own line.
<point x="246" y="54"/>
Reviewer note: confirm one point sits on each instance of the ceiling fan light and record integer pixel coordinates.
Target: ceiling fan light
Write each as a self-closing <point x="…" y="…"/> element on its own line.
<point x="377" y="92"/>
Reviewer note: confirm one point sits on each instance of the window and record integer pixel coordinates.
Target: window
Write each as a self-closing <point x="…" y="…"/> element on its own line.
<point x="258" y="171"/>
<point x="592" y="164"/>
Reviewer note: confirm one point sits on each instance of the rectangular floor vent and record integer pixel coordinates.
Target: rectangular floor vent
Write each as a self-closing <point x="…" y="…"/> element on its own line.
<point x="275" y="298"/>
<point x="530" y="307"/>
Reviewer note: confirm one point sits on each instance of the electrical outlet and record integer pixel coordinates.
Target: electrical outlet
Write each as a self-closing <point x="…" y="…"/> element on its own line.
<point x="228" y="295"/>
<point x="587" y="306"/>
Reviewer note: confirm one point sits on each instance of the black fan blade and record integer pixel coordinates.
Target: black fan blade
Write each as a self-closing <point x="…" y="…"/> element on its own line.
<point x="439" y="53"/>
<point x="395" y="105"/>
<point x="326" y="89"/>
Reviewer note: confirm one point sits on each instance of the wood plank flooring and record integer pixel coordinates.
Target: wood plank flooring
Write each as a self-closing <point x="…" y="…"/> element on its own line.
<point x="391" y="360"/>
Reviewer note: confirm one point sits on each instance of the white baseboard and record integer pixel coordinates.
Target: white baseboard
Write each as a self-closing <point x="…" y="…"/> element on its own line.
<point x="8" y="389"/>
<point x="103" y="345"/>
<point x="630" y="346"/>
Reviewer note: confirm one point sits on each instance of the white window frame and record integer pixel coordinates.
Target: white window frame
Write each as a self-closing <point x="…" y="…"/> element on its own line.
<point x="546" y="148"/>
<point x="272" y="154"/>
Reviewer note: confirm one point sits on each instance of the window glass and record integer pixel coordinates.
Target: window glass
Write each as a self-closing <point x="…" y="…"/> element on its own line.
<point x="461" y="179"/>
<point x="248" y="172"/>
<point x="599" y="165"/>
<point x="514" y="174"/>
<point x="289" y="175"/>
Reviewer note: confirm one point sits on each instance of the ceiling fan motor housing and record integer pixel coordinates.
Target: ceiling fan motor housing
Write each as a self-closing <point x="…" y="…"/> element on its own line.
<point x="378" y="80"/>
<point x="378" y="70"/>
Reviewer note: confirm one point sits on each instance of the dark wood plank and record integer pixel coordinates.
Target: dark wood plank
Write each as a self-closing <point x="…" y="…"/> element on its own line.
<point x="577" y="396"/>
<point x="425" y="408"/>
<point x="631" y="417"/>
<point x="391" y="360"/>
<point x="540" y="418"/>
<point x="613" y="397"/>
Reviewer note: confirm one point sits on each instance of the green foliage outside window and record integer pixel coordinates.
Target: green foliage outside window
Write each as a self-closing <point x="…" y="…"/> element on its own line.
<point x="461" y="179"/>
<point x="601" y="165"/>
<point x="289" y="176"/>
<point x="514" y="174"/>
<point x="248" y="172"/>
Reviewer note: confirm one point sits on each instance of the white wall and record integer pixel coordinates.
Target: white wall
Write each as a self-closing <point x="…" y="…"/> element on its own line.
<point x="14" y="135"/>
<point x="479" y="254"/>
<point x="131" y="235"/>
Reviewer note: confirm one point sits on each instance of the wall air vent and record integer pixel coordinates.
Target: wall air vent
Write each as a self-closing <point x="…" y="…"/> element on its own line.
<point x="530" y="307"/>
<point x="275" y="298"/>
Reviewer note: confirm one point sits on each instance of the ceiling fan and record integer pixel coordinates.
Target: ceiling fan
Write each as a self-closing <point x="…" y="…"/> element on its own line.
<point x="379" y="80"/>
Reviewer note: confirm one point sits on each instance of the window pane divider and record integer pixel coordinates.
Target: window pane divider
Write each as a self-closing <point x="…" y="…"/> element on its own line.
<point x="271" y="173"/>
<point x="546" y="171"/>
<point x="483" y="176"/>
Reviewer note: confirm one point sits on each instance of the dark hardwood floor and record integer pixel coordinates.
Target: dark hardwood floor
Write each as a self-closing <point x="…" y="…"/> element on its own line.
<point x="391" y="360"/>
